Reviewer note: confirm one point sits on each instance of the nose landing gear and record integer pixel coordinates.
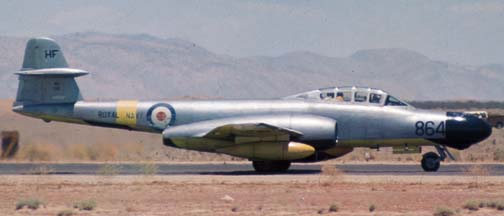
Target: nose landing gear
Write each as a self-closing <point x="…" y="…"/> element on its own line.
<point x="432" y="161"/>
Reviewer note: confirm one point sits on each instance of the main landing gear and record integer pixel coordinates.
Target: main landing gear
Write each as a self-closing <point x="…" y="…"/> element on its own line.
<point x="432" y="161"/>
<point x="271" y="166"/>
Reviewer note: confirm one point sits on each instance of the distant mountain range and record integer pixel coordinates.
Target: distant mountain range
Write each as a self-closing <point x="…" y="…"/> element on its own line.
<point x="146" y="67"/>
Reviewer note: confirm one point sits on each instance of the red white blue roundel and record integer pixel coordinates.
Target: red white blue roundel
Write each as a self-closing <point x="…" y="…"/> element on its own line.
<point x="161" y="116"/>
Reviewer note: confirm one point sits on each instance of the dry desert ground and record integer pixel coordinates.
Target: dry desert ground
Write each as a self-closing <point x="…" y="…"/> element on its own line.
<point x="250" y="194"/>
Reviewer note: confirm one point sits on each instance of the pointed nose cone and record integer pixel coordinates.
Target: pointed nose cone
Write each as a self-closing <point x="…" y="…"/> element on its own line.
<point x="462" y="131"/>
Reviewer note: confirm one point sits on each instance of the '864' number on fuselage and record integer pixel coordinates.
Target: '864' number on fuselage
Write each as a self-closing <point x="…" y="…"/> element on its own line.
<point x="429" y="128"/>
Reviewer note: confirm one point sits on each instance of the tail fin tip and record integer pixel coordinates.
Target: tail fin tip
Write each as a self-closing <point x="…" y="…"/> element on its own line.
<point x="43" y="53"/>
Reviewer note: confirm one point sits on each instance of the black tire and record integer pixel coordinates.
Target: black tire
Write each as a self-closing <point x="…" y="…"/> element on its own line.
<point x="271" y="166"/>
<point x="431" y="162"/>
<point x="499" y="125"/>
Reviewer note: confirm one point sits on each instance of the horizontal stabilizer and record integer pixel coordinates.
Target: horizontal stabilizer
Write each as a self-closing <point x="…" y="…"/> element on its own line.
<point x="54" y="72"/>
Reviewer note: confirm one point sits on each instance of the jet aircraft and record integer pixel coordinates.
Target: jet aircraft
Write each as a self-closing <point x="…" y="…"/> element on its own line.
<point x="307" y="127"/>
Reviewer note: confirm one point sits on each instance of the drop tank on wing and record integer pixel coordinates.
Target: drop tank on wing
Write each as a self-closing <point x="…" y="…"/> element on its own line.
<point x="270" y="151"/>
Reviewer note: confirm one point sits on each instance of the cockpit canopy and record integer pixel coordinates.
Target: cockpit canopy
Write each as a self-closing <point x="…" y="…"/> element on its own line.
<point x="355" y="95"/>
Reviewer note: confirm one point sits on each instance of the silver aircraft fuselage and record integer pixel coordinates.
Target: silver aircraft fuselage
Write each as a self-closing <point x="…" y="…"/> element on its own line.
<point x="307" y="127"/>
<point x="357" y="125"/>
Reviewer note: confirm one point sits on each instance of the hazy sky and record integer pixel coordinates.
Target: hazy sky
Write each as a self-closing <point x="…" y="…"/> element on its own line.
<point x="464" y="32"/>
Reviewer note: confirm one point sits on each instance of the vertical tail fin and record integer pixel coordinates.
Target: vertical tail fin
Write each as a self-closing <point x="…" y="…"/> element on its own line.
<point x="42" y="53"/>
<point x="45" y="77"/>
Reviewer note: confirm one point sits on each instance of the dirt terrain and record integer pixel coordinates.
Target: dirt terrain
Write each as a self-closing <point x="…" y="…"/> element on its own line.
<point x="250" y="195"/>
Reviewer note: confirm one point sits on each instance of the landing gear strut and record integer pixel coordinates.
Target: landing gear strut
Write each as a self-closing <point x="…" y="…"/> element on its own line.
<point x="432" y="161"/>
<point x="271" y="166"/>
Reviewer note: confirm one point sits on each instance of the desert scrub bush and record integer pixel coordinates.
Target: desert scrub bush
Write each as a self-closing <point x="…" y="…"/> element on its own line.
<point x="482" y="203"/>
<point x="234" y="209"/>
<point x="149" y="168"/>
<point x="498" y="155"/>
<point x="329" y="175"/>
<point x="86" y="205"/>
<point x="65" y="213"/>
<point x="472" y="205"/>
<point x="41" y="170"/>
<point x="330" y="170"/>
<point x="500" y="205"/>
<point x="95" y="152"/>
<point x="333" y="207"/>
<point x="491" y="203"/>
<point x="83" y="152"/>
<point x="477" y="170"/>
<point x="109" y="170"/>
<point x="35" y="153"/>
<point x="372" y="208"/>
<point x="29" y="203"/>
<point x="444" y="211"/>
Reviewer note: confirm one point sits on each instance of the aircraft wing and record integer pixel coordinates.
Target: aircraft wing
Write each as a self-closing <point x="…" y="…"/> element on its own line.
<point x="231" y="131"/>
<point x="266" y="137"/>
<point x="248" y="129"/>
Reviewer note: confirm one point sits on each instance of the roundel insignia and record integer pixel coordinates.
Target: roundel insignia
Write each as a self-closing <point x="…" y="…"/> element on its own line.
<point x="161" y="116"/>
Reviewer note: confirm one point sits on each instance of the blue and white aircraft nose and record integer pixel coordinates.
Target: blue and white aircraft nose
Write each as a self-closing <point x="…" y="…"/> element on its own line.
<point x="463" y="130"/>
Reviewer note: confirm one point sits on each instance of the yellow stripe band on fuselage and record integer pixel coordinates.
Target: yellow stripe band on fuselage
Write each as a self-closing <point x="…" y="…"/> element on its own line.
<point x="126" y="112"/>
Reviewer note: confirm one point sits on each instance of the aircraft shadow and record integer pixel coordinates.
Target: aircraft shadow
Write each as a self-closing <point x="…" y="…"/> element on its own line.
<point x="248" y="173"/>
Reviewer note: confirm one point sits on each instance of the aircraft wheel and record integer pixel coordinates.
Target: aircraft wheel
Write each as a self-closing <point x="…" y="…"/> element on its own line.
<point x="431" y="162"/>
<point x="271" y="166"/>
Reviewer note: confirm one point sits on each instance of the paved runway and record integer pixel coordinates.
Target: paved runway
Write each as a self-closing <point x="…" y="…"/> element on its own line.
<point x="234" y="169"/>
